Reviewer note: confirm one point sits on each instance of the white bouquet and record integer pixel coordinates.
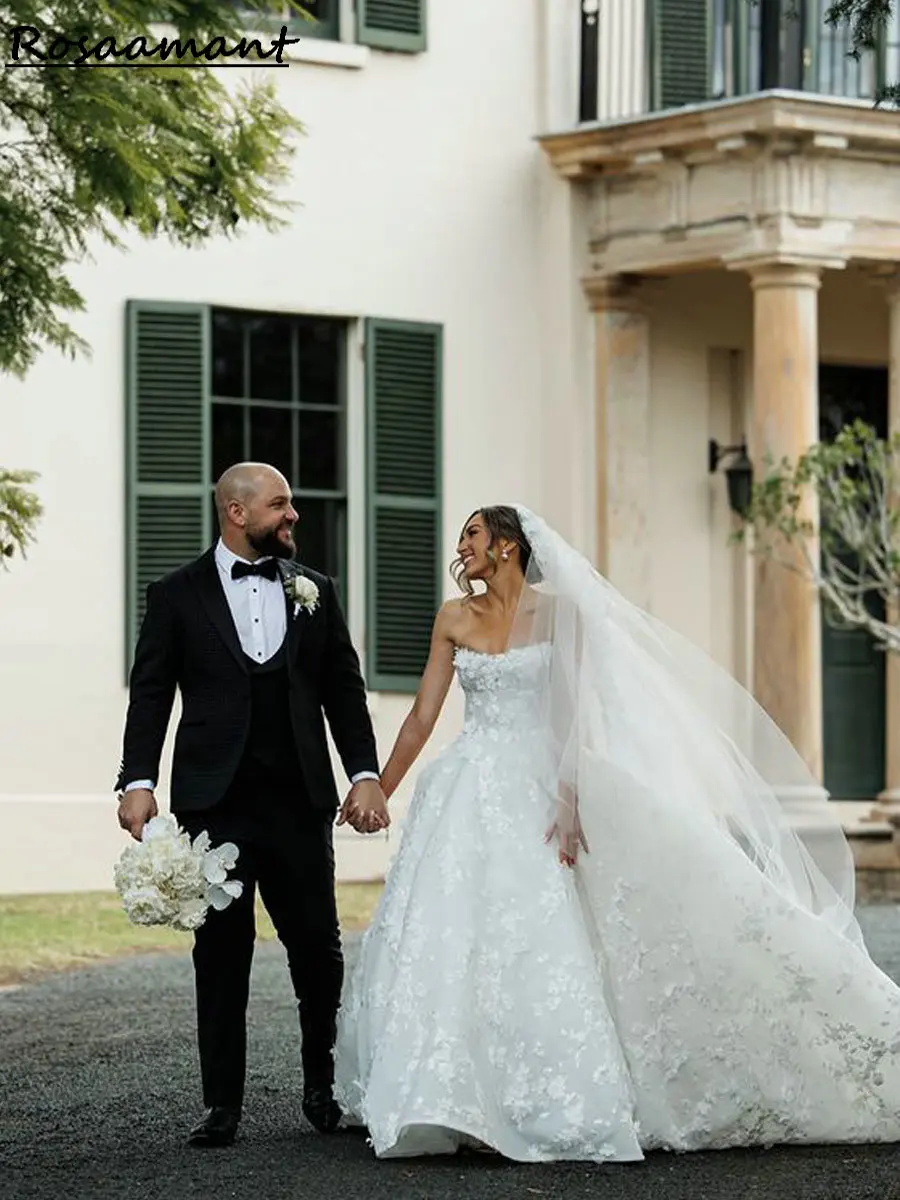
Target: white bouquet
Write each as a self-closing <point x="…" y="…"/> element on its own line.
<point x="164" y="879"/>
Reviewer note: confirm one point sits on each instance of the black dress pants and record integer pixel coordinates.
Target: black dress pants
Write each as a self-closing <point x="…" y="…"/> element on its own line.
<point x="286" y="850"/>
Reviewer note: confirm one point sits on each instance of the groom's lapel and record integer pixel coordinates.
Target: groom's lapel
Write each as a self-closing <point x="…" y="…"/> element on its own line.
<point x="209" y="587"/>
<point x="296" y="625"/>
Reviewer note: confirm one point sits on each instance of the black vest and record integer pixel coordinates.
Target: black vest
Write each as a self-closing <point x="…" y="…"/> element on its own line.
<point x="270" y="752"/>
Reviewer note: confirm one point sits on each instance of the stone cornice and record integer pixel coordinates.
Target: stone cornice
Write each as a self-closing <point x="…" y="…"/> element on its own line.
<point x="777" y="177"/>
<point x="798" y="121"/>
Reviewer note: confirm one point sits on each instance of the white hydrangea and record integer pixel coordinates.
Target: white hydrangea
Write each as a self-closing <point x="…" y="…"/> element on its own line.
<point x="165" y="879"/>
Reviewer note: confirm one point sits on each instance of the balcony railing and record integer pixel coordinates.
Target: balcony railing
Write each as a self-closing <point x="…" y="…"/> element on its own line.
<point x="647" y="55"/>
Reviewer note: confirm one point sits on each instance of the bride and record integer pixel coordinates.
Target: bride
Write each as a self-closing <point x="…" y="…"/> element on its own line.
<point x="621" y="915"/>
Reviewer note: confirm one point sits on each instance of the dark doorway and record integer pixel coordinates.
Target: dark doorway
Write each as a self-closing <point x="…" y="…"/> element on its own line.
<point x="853" y="669"/>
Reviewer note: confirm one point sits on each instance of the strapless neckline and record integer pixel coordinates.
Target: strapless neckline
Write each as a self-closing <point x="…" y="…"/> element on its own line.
<point x="457" y="650"/>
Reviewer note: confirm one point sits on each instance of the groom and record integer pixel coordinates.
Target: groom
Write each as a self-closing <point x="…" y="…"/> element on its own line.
<point x="258" y="658"/>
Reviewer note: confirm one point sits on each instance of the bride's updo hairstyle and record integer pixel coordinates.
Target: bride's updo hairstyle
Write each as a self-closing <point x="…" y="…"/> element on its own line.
<point x="501" y="521"/>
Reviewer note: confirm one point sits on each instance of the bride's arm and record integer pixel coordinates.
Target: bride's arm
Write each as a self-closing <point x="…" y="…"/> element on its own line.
<point x="568" y="643"/>
<point x="436" y="679"/>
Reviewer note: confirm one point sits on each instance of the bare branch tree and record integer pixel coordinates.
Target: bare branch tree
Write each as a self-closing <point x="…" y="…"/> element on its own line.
<point x="851" y="551"/>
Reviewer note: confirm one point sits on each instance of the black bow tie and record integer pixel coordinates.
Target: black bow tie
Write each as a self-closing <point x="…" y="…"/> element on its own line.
<point x="268" y="567"/>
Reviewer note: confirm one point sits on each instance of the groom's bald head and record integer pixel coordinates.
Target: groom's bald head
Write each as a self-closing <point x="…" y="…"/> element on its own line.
<point x="241" y="483"/>
<point x="255" y="510"/>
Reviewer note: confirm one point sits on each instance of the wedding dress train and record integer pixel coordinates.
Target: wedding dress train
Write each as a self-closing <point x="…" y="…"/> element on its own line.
<point x="663" y="994"/>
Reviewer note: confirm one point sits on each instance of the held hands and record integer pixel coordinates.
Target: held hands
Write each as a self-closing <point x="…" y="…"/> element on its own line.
<point x="136" y="808"/>
<point x="365" y="808"/>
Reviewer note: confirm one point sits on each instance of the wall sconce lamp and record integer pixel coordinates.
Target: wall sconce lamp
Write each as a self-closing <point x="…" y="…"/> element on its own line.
<point x="739" y="475"/>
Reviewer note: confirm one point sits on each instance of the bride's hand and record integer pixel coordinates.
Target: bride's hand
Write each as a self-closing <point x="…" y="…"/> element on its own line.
<point x="570" y="836"/>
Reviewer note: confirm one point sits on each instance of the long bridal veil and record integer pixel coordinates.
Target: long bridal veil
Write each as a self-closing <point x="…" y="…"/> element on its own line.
<point x="639" y="716"/>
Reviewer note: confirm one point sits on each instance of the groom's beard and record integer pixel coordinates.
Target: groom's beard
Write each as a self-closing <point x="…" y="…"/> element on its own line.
<point x="269" y="543"/>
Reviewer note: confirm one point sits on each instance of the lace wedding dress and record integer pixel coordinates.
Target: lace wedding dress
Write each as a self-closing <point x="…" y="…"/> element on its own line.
<point x="664" y="994"/>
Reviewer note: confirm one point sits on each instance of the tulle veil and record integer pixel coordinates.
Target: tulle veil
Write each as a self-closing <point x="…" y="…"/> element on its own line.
<point x="638" y="715"/>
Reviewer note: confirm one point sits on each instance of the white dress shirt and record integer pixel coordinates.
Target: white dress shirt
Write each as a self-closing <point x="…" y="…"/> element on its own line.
<point x="259" y="612"/>
<point x="257" y="607"/>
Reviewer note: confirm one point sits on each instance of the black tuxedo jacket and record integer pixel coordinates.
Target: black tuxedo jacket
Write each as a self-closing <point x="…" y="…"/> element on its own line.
<point x="188" y="640"/>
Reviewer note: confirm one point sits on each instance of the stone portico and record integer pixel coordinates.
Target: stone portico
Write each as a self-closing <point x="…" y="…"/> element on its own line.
<point x="789" y="192"/>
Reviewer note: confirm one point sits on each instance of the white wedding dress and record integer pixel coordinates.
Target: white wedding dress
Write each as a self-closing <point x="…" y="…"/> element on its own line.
<point x="664" y="994"/>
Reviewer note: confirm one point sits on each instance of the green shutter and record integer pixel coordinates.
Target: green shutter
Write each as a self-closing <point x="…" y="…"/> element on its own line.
<point x="392" y="24"/>
<point x="681" y="52"/>
<point x="168" y="517"/>
<point x="403" y="403"/>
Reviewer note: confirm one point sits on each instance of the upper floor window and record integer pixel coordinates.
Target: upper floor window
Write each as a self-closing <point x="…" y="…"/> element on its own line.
<point x="383" y="24"/>
<point x="325" y="22"/>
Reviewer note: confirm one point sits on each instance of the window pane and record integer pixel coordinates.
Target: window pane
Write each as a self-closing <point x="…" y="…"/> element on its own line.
<point x="227" y="354"/>
<point x="270" y="359"/>
<point x="319" y="535"/>
<point x="320" y="350"/>
<point x="322" y="10"/>
<point x="227" y="437"/>
<point x="325" y="12"/>
<point x="270" y="438"/>
<point x="318" y="443"/>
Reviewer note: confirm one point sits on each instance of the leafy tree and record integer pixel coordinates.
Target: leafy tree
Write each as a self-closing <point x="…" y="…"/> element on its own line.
<point x="866" y="20"/>
<point x="90" y="154"/>
<point x="20" y="510"/>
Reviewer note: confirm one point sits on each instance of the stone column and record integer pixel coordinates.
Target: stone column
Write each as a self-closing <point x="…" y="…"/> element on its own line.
<point x="787" y="659"/>
<point x="622" y="433"/>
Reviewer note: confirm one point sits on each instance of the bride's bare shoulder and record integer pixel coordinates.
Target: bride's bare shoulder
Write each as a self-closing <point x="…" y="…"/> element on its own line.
<point x="454" y="616"/>
<point x="450" y="613"/>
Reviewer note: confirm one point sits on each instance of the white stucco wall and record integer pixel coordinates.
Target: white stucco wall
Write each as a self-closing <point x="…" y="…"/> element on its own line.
<point x="423" y="196"/>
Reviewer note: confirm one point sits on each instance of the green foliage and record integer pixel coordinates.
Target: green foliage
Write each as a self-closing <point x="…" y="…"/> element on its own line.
<point x="867" y="20"/>
<point x="848" y="541"/>
<point x="20" y="511"/>
<point x="98" y="154"/>
<point x="92" y="154"/>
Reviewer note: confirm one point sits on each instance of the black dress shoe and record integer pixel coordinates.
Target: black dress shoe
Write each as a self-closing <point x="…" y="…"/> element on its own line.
<point x="321" y="1109"/>
<point x="217" y="1127"/>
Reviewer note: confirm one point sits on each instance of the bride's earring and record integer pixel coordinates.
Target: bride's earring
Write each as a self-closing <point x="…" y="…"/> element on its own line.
<point x="505" y="556"/>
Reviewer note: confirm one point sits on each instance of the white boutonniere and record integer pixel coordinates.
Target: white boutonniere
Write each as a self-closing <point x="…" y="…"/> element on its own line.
<point x="303" y="592"/>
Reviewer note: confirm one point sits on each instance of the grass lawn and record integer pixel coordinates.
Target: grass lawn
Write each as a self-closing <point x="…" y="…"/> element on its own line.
<point x="40" y="934"/>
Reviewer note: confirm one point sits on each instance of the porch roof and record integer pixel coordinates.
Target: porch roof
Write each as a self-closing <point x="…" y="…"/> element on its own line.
<point x="776" y="176"/>
<point x="804" y="119"/>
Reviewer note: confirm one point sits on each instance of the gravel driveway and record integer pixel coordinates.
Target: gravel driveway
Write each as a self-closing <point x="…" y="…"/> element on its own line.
<point x="98" y="1087"/>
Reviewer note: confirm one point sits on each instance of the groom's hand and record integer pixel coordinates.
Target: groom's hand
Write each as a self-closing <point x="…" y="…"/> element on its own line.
<point x="365" y="808"/>
<point x="135" y="809"/>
